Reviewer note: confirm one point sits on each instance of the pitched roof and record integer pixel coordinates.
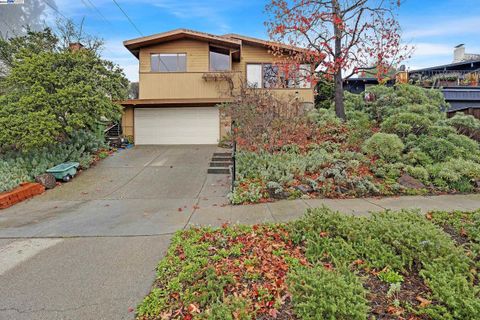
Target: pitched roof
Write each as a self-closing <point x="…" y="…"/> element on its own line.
<point x="229" y="40"/>
<point x="447" y="66"/>
<point x="264" y="43"/>
<point x="134" y="44"/>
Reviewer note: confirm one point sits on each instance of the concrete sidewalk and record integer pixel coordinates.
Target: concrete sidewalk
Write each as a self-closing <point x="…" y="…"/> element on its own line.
<point x="287" y="210"/>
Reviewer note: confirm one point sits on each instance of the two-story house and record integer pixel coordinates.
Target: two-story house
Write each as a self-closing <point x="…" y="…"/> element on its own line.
<point x="185" y="74"/>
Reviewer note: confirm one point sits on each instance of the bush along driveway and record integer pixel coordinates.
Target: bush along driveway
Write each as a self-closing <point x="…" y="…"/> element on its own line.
<point x="392" y="265"/>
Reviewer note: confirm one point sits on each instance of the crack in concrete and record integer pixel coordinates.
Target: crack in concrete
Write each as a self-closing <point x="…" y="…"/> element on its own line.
<point x="375" y="204"/>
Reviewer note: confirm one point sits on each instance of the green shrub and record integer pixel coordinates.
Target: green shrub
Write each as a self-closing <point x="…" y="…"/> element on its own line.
<point x="322" y="294"/>
<point x="404" y="241"/>
<point x="324" y="117"/>
<point x="438" y="149"/>
<point x="452" y="146"/>
<point x="405" y="123"/>
<point x="386" y="146"/>
<point x="17" y="167"/>
<point x="391" y="100"/>
<point x="457" y="174"/>
<point x="419" y="173"/>
<point x="390" y="276"/>
<point x="247" y="193"/>
<point x="465" y="124"/>
<point x="467" y="148"/>
<point x="440" y="131"/>
<point x="417" y="157"/>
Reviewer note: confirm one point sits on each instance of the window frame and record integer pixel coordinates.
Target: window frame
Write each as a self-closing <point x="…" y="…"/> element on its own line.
<point x="297" y="81"/>
<point x="169" y="53"/>
<point x="210" y="60"/>
<point x="261" y="75"/>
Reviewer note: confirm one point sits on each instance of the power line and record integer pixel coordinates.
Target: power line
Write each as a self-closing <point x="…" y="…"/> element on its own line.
<point x="97" y="11"/>
<point x="126" y="15"/>
<point x="54" y="8"/>
<point x="67" y="19"/>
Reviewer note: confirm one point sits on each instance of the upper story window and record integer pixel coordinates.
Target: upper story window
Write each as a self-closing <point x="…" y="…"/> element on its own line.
<point x="220" y="59"/>
<point x="168" y="62"/>
<point x="254" y="75"/>
<point x="271" y="76"/>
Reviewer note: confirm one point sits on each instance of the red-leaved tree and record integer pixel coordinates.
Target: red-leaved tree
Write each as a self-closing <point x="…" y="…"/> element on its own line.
<point x="342" y="37"/>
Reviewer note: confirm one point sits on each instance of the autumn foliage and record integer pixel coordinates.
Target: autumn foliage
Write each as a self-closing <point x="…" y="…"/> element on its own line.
<point x="340" y="37"/>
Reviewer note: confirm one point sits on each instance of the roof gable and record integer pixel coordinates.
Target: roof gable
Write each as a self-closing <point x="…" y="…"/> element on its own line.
<point x="135" y="44"/>
<point x="228" y="40"/>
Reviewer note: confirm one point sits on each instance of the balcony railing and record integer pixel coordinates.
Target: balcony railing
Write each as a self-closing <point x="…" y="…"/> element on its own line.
<point x="446" y="78"/>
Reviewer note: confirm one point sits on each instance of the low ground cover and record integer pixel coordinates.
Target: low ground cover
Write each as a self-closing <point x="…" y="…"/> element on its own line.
<point x="396" y="141"/>
<point x="18" y="167"/>
<point x="392" y="265"/>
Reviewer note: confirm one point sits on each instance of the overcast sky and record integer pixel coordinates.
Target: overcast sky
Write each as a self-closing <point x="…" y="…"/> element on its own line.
<point x="434" y="27"/>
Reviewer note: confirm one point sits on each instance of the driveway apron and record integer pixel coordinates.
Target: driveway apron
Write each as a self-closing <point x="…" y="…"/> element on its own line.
<point x="88" y="249"/>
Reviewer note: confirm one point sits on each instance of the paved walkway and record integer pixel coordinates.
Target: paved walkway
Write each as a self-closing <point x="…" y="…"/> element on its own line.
<point x="88" y="249"/>
<point x="287" y="210"/>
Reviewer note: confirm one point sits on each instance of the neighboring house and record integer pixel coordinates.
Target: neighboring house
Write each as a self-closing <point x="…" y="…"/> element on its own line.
<point x="358" y="85"/>
<point x="458" y="81"/>
<point x="185" y="74"/>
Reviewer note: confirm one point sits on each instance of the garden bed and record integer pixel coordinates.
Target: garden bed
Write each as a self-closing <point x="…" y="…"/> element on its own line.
<point x="392" y="265"/>
<point x="396" y="142"/>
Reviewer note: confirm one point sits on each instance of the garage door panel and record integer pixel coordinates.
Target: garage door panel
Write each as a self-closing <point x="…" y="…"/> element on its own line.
<point x="193" y="125"/>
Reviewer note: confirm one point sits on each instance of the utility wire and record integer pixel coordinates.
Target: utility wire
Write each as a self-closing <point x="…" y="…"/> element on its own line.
<point x="67" y="19"/>
<point x="97" y="11"/>
<point x="126" y="15"/>
<point x="54" y="8"/>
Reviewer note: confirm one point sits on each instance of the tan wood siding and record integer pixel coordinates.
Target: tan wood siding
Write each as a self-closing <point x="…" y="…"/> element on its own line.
<point x="190" y="84"/>
<point x="181" y="86"/>
<point x="253" y="54"/>
<point x="197" y="54"/>
<point x="127" y="121"/>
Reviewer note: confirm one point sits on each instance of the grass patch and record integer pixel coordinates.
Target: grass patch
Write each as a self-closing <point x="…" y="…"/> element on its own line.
<point x="392" y="265"/>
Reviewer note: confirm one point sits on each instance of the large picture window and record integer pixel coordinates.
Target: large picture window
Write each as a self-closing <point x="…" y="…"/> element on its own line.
<point x="219" y="59"/>
<point x="271" y="76"/>
<point x="168" y="62"/>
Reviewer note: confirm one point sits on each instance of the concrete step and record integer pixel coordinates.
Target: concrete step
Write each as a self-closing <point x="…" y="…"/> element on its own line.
<point x="219" y="170"/>
<point x="220" y="164"/>
<point x="221" y="159"/>
<point x="222" y="154"/>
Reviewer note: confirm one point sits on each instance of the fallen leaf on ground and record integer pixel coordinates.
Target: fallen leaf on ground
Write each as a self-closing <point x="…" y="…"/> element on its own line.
<point x="395" y="311"/>
<point x="192" y="308"/>
<point x="423" y="302"/>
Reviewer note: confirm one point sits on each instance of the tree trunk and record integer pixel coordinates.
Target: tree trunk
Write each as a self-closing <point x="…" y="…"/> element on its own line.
<point x="339" y="104"/>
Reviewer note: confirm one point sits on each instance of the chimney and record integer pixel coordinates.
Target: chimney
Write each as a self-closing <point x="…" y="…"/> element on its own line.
<point x="459" y="53"/>
<point x="75" y="46"/>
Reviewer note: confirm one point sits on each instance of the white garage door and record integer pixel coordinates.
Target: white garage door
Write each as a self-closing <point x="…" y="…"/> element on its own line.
<point x="185" y="125"/>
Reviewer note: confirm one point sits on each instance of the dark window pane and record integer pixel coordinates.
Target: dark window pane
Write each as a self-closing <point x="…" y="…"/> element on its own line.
<point x="270" y="76"/>
<point x="219" y="59"/>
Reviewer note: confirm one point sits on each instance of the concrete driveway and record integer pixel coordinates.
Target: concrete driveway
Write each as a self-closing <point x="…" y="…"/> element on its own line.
<point x="151" y="190"/>
<point x="88" y="249"/>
